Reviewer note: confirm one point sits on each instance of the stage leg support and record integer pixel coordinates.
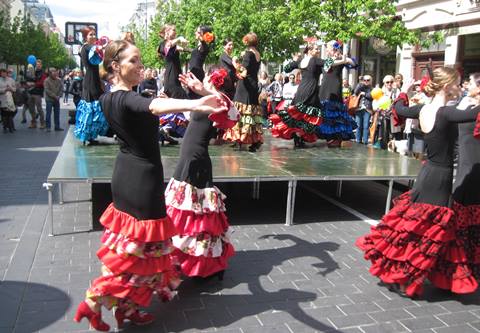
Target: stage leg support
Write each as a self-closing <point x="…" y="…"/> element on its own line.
<point x="339" y="188"/>
<point x="389" y="195"/>
<point x="292" y="188"/>
<point x="49" y="188"/>
<point x="256" y="189"/>
<point x="60" y="193"/>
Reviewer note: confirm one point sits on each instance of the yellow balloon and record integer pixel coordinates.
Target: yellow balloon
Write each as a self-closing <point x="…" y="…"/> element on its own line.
<point x="376" y="93"/>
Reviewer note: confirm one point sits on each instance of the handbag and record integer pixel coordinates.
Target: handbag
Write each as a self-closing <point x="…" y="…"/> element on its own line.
<point x="352" y="103"/>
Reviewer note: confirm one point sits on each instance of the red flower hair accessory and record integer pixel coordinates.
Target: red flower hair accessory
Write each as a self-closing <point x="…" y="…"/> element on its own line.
<point x="208" y="37"/>
<point x="217" y="78"/>
<point x="424" y="82"/>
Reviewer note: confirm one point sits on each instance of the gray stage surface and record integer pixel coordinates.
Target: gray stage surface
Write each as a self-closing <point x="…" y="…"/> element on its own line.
<point x="275" y="161"/>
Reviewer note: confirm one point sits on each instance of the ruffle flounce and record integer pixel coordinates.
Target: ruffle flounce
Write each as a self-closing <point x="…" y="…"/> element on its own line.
<point x="189" y="223"/>
<point x="90" y="121"/>
<point x="136" y="288"/>
<point x="204" y="266"/>
<point x="203" y="244"/>
<point x="185" y="196"/>
<point x="306" y="113"/>
<point x="412" y="243"/>
<point x="249" y="128"/>
<point x="337" y="123"/>
<point x="119" y="264"/>
<point x="284" y="127"/>
<point x="142" y="230"/>
<point x="125" y="246"/>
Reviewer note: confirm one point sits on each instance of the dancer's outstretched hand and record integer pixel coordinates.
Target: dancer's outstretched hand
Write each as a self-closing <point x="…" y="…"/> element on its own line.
<point x="191" y="82"/>
<point x="408" y="85"/>
<point x="211" y="104"/>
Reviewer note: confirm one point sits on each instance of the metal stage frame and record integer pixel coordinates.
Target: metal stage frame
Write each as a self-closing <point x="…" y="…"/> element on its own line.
<point x="277" y="160"/>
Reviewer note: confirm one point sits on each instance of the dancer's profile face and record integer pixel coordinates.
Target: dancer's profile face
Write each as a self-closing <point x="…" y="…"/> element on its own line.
<point x="315" y="51"/>
<point x="130" y="66"/>
<point x="91" y="37"/>
<point x="171" y="33"/>
<point x="228" y="47"/>
<point x="453" y="91"/>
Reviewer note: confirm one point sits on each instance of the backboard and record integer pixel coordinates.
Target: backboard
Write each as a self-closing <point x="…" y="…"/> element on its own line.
<point x="73" y="33"/>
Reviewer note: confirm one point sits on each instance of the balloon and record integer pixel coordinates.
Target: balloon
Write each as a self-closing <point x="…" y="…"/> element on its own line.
<point x="376" y="93"/>
<point x="32" y="60"/>
<point x="384" y="103"/>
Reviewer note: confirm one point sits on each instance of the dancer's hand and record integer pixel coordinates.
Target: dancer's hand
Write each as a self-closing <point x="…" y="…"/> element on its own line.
<point x="407" y="86"/>
<point x="210" y="104"/>
<point x="192" y="82"/>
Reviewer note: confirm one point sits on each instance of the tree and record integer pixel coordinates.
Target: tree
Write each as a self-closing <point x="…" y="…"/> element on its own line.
<point x="362" y="19"/>
<point x="20" y="37"/>
<point x="281" y="25"/>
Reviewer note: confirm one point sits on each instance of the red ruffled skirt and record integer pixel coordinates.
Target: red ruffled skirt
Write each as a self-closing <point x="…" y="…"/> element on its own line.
<point x="418" y="241"/>
<point x="299" y="120"/>
<point x="203" y="246"/>
<point x="136" y="260"/>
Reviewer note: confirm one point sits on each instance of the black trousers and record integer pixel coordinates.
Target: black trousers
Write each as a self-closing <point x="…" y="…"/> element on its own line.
<point x="7" y="119"/>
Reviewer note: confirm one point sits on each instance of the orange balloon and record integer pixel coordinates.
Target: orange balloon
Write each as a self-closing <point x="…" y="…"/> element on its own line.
<point x="376" y="93"/>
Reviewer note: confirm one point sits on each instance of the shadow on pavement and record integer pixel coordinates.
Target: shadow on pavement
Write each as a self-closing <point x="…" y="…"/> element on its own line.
<point x="247" y="295"/>
<point x="29" y="307"/>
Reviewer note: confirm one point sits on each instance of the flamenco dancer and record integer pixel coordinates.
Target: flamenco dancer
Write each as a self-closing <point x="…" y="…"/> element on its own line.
<point x="137" y="240"/>
<point x="205" y="37"/>
<point x="337" y="125"/>
<point x="305" y="114"/>
<point x="417" y="239"/>
<point x="226" y="62"/>
<point x="466" y="195"/>
<point x="194" y="204"/>
<point x="249" y="128"/>
<point x="169" y="49"/>
<point x="90" y="121"/>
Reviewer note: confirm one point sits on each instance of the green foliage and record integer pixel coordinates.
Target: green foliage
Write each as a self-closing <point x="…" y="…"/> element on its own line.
<point x="20" y="37"/>
<point x="281" y="24"/>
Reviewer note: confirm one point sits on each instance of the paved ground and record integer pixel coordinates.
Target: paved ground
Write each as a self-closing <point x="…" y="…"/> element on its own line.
<point x="304" y="278"/>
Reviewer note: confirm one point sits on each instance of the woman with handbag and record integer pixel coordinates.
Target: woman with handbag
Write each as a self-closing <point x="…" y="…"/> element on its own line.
<point x="362" y="115"/>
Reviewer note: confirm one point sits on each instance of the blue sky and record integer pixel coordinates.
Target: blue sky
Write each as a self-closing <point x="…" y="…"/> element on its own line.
<point x="110" y="15"/>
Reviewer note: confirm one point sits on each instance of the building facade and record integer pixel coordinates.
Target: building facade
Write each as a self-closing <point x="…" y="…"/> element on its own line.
<point x="457" y="20"/>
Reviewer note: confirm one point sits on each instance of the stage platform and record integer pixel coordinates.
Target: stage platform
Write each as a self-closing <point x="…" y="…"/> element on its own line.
<point x="277" y="160"/>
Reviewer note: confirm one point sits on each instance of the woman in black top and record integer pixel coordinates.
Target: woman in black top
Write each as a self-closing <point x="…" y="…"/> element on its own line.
<point x="195" y="205"/>
<point x="417" y="239"/>
<point x="90" y="121"/>
<point x="169" y="49"/>
<point x="249" y="128"/>
<point x="227" y="63"/>
<point x="137" y="237"/>
<point x="205" y="37"/>
<point x="148" y="87"/>
<point x="337" y="124"/>
<point x="302" y="118"/>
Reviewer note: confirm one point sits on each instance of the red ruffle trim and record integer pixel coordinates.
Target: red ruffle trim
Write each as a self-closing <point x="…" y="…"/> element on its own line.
<point x="120" y="287"/>
<point x="118" y="264"/>
<point x="476" y="130"/>
<point x="281" y="130"/>
<point x="204" y="266"/>
<point x="413" y="242"/>
<point x="297" y="115"/>
<point x="143" y="230"/>
<point x="189" y="223"/>
<point x="467" y="216"/>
